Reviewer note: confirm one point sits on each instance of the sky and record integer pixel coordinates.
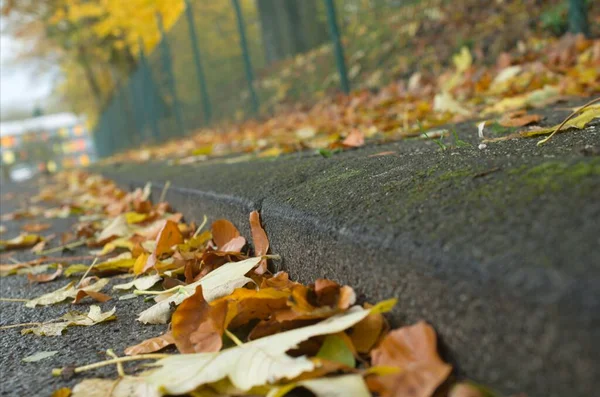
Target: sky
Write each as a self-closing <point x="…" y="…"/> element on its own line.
<point x="20" y="85"/>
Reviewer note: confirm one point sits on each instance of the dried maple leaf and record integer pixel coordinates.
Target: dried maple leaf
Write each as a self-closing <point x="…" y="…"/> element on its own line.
<point x="151" y="345"/>
<point x="519" y="118"/>
<point x="44" y="278"/>
<point x="224" y="232"/>
<point x="97" y="296"/>
<point x="412" y="349"/>
<point x="168" y="236"/>
<point x="35" y="227"/>
<point x="197" y="326"/>
<point x="261" y="242"/>
<point x="355" y="139"/>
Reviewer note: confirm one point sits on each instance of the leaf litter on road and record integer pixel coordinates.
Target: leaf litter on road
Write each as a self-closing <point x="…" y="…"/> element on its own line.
<point x="238" y="329"/>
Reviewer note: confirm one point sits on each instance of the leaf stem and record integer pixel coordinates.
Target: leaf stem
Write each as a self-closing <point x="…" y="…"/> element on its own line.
<point x="234" y="338"/>
<point x="87" y="271"/>
<point x="120" y="370"/>
<point x="163" y="194"/>
<point x="62" y="247"/>
<point x="541" y="142"/>
<point x="100" y="364"/>
<point x="204" y="220"/>
<point x="14" y="300"/>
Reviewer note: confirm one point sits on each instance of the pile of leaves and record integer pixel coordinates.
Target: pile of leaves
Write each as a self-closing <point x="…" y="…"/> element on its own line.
<point x="537" y="73"/>
<point x="238" y="328"/>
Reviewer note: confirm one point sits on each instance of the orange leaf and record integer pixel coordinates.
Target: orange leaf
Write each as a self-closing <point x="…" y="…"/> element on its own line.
<point x="151" y="345"/>
<point x="44" y="278"/>
<point x="245" y="304"/>
<point x="168" y="236"/>
<point x="261" y="242"/>
<point x="35" y="227"/>
<point x="413" y="349"/>
<point x="234" y="245"/>
<point x="519" y="119"/>
<point x="355" y="139"/>
<point x="197" y="326"/>
<point x="223" y="232"/>
<point x="367" y="332"/>
<point x="98" y="296"/>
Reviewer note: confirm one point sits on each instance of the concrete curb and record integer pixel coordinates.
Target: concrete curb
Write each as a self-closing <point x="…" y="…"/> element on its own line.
<point x="497" y="249"/>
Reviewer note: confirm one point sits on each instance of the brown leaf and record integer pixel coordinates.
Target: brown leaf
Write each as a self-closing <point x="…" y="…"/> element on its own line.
<point x="329" y="293"/>
<point x="35" y="227"/>
<point x="355" y="139"/>
<point x="244" y="305"/>
<point x="519" y="119"/>
<point x="223" y="232"/>
<point x="168" y="236"/>
<point x="413" y="349"/>
<point x="465" y="390"/>
<point x="368" y="332"/>
<point x="62" y="392"/>
<point x="234" y="245"/>
<point x="197" y="326"/>
<point x="260" y="240"/>
<point x="44" y="278"/>
<point x="151" y="345"/>
<point x="98" y="296"/>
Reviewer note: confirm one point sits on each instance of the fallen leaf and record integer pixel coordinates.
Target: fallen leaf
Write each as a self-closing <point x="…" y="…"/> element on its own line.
<point x="117" y="228"/>
<point x="151" y="345"/>
<point x="336" y="349"/>
<point x="183" y="373"/>
<point x="44" y="278"/>
<point x="578" y="122"/>
<point x="97" y="296"/>
<point x="21" y="241"/>
<point x="123" y="387"/>
<point x="93" y="317"/>
<point x="368" y="332"/>
<point x="142" y="283"/>
<point x="39" y="356"/>
<point x="218" y="283"/>
<point x="62" y="392"/>
<point x="223" y="232"/>
<point x="465" y="390"/>
<point x="519" y="119"/>
<point x="234" y="245"/>
<point x="35" y="227"/>
<point x="168" y="237"/>
<point x="355" y="139"/>
<point x="260" y="240"/>
<point x="68" y="291"/>
<point x="197" y="326"/>
<point x="413" y="349"/>
<point x="339" y="386"/>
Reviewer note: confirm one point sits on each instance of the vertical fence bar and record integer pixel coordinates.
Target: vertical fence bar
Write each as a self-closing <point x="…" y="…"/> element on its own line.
<point x="166" y="54"/>
<point x="148" y="93"/>
<point x="198" y="62"/>
<point x="246" y="54"/>
<point x="578" y="21"/>
<point x="334" y="33"/>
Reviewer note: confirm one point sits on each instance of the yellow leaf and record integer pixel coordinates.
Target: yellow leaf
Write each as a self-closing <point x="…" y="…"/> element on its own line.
<point x="139" y="264"/>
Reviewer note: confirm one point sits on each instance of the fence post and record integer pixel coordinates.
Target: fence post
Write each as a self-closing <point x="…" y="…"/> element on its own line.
<point x="578" y="22"/>
<point x="166" y="54"/>
<point x="198" y="62"/>
<point x="148" y="92"/>
<point x="246" y="54"/>
<point x="334" y="33"/>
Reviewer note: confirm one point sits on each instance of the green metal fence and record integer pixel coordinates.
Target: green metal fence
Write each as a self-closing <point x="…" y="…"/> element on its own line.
<point x="235" y="59"/>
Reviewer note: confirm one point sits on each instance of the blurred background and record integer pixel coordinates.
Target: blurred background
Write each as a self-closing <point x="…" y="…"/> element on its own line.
<point x="87" y="79"/>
